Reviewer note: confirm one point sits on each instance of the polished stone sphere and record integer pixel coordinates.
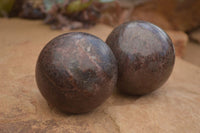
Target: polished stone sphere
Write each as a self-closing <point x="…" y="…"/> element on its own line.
<point x="76" y="72"/>
<point x="145" y="56"/>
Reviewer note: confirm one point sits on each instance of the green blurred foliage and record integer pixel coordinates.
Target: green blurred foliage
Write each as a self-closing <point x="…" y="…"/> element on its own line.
<point x="74" y="6"/>
<point x="106" y="1"/>
<point x="49" y="3"/>
<point x="77" y="6"/>
<point x="6" y="7"/>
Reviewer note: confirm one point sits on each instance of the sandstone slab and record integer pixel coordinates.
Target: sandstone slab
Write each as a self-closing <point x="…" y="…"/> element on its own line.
<point x="181" y="14"/>
<point x="180" y="40"/>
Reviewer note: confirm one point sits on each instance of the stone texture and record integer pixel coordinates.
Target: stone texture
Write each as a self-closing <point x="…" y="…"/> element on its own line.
<point x="145" y="56"/>
<point x="76" y="72"/>
<point x="150" y="15"/>
<point x="172" y="108"/>
<point x="182" y="14"/>
<point x="192" y="53"/>
<point x="180" y="40"/>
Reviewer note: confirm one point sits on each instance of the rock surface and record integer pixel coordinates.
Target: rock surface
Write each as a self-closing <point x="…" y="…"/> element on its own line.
<point x="172" y="108"/>
<point x="192" y="53"/>
<point x="180" y="40"/>
<point x="195" y="35"/>
<point x="151" y="15"/>
<point x="181" y="14"/>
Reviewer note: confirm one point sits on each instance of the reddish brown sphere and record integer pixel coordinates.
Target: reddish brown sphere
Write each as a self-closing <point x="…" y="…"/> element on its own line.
<point x="76" y="72"/>
<point x="145" y="56"/>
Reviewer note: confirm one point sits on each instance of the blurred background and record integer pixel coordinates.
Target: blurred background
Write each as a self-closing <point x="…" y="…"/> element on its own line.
<point x="179" y="18"/>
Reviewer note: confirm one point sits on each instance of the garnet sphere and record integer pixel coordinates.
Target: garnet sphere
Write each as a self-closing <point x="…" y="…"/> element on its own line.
<point x="76" y="72"/>
<point x="145" y="56"/>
